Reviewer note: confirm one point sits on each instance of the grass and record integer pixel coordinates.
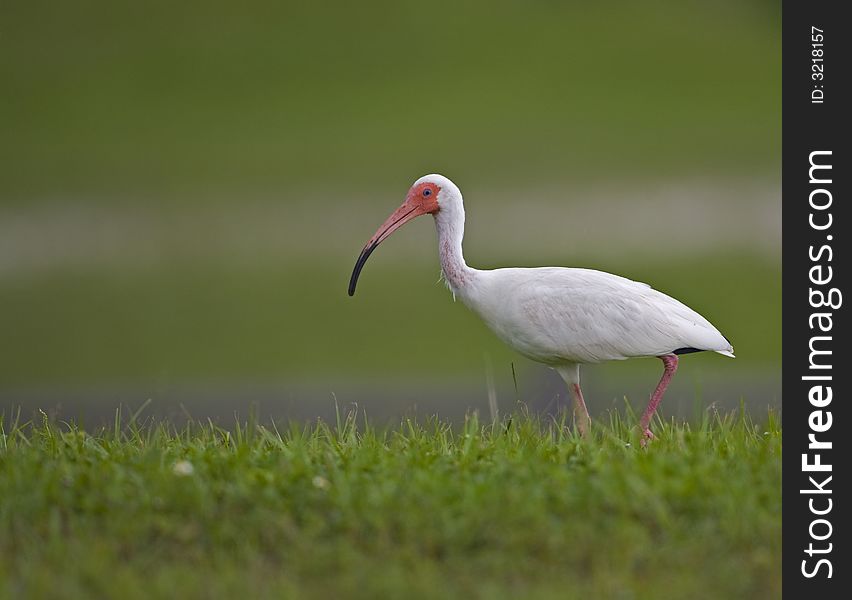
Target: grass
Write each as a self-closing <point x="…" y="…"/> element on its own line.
<point x="518" y="508"/>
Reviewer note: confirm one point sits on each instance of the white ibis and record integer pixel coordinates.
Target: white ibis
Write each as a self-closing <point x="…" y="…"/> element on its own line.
<point x="558" y="316"/>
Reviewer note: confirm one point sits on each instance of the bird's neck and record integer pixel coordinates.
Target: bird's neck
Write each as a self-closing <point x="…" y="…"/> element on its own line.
<point x="450" y="226"/>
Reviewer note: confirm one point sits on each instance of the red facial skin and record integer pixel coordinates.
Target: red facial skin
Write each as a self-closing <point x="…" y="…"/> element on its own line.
<point x="422" y="199"/>
<point x="415" y="205"/>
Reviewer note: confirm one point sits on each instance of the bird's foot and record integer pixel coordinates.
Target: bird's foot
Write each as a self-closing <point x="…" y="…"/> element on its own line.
<point x="647" y="436"/>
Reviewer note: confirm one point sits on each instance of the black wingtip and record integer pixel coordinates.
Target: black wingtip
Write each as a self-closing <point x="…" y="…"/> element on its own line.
<point x="680" y="351"/>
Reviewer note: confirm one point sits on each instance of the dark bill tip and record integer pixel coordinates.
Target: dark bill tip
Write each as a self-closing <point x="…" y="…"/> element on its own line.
<point x="359" y="264"/>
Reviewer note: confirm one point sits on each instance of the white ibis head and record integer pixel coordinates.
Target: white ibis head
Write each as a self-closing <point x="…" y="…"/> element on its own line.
<point x="425" y="197"/>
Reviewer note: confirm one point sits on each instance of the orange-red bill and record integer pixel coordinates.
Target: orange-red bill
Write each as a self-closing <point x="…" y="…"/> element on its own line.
<point x="400" y="217"/>
<point x="416" y="204"/>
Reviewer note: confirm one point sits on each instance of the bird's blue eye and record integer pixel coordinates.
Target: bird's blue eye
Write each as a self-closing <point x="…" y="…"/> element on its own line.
<point x="427" y="192"/>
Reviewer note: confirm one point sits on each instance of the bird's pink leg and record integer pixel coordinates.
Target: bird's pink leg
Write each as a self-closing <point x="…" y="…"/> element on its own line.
<point x="670" y="366"/>
<point x="581" y="413"/>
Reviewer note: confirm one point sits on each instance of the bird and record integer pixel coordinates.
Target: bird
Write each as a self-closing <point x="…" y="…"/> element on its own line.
<point x="559" y="316"/>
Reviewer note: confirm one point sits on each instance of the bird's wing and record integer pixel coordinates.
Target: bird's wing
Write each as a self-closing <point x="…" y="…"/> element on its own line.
<point x="582" y="315"/>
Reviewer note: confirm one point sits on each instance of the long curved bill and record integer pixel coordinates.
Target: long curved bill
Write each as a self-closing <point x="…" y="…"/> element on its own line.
<point x="402" y="215"/>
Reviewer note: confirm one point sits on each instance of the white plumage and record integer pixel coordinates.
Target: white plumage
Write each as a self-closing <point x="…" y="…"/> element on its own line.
<point x="562" y="317"/>
<point x="555" y="315"/>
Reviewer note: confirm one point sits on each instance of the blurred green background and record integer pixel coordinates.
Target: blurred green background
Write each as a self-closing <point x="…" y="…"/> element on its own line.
<point x="184" y="188"/>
